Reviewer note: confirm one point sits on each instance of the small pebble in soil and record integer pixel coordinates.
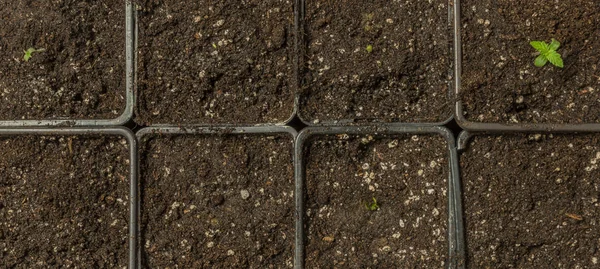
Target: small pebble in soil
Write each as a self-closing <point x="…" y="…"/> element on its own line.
<point x="245" y="194"/>
<point x="520" y="99"/>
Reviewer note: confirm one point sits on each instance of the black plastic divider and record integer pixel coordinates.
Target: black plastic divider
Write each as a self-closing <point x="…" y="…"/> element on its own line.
<point x="478" y="126"/>
<point x="133" y="168"/>
<point x="455" y="237"/>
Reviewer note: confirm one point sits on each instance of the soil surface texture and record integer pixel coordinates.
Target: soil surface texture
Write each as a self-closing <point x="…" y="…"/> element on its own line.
<point x="64" y="202"/>
<point x="208" y="61"/>
<point x="500" y="83"/>
<point x="80" y="74"/>
<point x="406" y="175"/>
<point x="405" y="75"/>
<point x="217" y="201"/>
<point x="531" y="201"/>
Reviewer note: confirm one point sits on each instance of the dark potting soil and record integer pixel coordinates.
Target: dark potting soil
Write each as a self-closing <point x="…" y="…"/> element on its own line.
<point x="64" y="202"/>
<point x="406" y="175"/>
<point x="81" y="72"/>
<point x="531" y="201"/>
<point x="217" y="201"/>
<point x="215" y="61"/>
<point x="404" y="77"/>
<point x="501" y="84"/>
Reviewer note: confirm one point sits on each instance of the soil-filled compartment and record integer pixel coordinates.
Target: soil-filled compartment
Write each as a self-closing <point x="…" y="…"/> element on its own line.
<point x="64" y="201"/>
<point x="501" y="84"/>
<point x="217" y="201"/>
<point x="531" y="200"/>
<point x="376" y="61"/>
<point x="376" y="201"/>
<point x="77" y="70"/>
<point x="211" y="62"/>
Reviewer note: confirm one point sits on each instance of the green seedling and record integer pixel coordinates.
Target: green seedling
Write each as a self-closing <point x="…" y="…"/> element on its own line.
<point x="368" y="21"/>
<point x="372" y="206"/>
<point x="369" y="48"/>
<point x="547" y="53"/>
<point x="29" y="52"/>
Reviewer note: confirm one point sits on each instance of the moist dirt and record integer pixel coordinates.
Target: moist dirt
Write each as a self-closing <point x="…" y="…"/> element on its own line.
<point x="405" y="76"/>
<point x="222" y="201"/>
<point x="500" y="83"/>
<point x="64" y="202"/>
<point x="406" y="175"/>
<point x="80" y="74"/>
<point x="215" y="61"/>
<point x="531" y="201"/>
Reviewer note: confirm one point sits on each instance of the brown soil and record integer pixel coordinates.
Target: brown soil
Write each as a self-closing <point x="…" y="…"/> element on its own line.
<point x="531" y="201"/>
<point x="215" y="61"/>
<point x="408" y="178"/>
<point x="81" y="73"/>
<point x="404" y="78"/>
<point x="64" y="202"/>
<point x="217" y="201"/>
<point x="500" y="83"/>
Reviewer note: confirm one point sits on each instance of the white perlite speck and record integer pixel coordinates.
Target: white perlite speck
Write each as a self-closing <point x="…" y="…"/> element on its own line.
<point x="230" y="252"/>
<point x="219" y="23"/>
<point x="245" y="194"/>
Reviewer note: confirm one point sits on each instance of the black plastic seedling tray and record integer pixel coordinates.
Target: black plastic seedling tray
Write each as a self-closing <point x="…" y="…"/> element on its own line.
<point x="129" y="88"/>
<point x="477" y="126"/>
<point x="133" y="19"/>
<point x="301" y="43"/>
<point x="455" y="238"/>
<point x="216" y="130"/>
<point x="463" y="143"/>
<point x="265" y="130"/>
<point x="133" y="191"/>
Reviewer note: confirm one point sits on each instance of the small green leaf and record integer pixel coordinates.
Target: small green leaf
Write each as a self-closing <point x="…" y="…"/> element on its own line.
<point x="27" y="55"/>
<point x="540" y="46"/>
<point x="29" y="52"/>
<point x="369" y="48"/>
<point x="555" y="58"/>
<point x="372" y="206"/>
<point x="540" y="61"/>
<point x="554" y="45"/>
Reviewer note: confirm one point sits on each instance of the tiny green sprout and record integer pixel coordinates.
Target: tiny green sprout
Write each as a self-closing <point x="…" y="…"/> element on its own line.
<point x="29" y="52"/>
<point x="372" y="206"/>
<point x="369" y="48"/>
<point x="547" y="53"/>
<point x="214" y="45"/>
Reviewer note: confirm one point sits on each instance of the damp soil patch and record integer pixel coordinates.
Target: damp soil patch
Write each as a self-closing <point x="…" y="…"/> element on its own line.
<point x="222" y="201"/>
<point x="531" y="201"/>
<point x="64" y="201"/>
<point x="501" y="84"/>
<point x="376" y="201"/>
<point x="372" y="61"/>
<point x="80" y="74"/>
<point x="215" y="61"/>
